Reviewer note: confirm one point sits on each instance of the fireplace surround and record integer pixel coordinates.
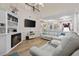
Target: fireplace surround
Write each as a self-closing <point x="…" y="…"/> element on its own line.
<point x="15" y="39"/>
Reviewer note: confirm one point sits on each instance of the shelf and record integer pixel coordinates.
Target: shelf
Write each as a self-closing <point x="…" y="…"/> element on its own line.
<point x="12" y="18"/>
<point x="11" y="24"/>
<point x="12" y="21"/>
<point x="2" y="27"/>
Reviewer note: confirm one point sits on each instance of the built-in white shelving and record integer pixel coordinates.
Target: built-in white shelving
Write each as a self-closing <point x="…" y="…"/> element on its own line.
<point x="8" y="27"/>
<point x="12" y="23"/>
<point x="8" y="22"/>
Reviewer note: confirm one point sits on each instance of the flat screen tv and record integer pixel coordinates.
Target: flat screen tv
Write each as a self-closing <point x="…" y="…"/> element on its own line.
<point x="29" y="23"/>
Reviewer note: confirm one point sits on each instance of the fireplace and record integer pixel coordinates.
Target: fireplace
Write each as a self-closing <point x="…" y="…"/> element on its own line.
<point x="15" y="39"/>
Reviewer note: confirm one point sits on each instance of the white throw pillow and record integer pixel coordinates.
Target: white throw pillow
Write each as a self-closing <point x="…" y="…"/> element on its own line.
<point x="55" y="43"/>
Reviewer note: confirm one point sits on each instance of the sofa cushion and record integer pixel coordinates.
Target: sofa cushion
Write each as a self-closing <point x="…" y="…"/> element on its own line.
<point x="55" y="43"/>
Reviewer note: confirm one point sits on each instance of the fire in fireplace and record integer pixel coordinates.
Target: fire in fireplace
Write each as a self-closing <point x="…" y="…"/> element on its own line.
<point x="15" y="39"/>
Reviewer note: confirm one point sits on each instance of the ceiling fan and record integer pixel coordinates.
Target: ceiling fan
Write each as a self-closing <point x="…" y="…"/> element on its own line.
<point x="35" y="6"/>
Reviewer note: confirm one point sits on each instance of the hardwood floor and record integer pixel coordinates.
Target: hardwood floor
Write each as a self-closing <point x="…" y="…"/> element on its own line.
<point x="23" y="48"/>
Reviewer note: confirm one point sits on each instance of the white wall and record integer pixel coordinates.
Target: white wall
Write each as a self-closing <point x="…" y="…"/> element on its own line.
<point x="76" y="22"/>
<point x="24" y="12"/>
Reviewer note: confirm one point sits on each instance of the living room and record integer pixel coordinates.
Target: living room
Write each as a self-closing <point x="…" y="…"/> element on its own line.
<point x="29" y="28"/>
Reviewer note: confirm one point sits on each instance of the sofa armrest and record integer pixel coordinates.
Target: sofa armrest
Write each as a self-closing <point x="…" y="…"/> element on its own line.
<point x="76" y="53"/>
<point x="35" y="51"/>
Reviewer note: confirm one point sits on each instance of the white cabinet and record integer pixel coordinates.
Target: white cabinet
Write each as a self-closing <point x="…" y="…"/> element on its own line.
<point x="32" y="36"/>
<point x="2" y="44"/>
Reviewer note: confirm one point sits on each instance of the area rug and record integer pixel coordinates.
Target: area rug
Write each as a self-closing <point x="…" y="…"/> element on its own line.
<point x="14" y="54"/>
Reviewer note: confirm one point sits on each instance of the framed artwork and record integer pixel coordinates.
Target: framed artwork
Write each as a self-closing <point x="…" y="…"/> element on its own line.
<point x="56" y="27"/>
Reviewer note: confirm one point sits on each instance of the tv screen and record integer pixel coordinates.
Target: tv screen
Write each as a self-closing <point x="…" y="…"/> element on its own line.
<point x="29" y="23"/>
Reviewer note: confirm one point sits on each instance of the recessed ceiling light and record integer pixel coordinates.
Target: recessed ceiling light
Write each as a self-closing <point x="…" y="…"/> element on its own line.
<point x="65" y="17"/>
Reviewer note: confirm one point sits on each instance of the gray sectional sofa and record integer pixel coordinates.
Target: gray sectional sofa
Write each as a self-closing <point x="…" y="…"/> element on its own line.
<point x="49" y="35"/>
<point x="65" y="46"/>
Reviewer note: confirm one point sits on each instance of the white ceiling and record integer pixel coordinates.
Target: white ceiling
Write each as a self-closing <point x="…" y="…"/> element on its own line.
<point x="51" y="10"/>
